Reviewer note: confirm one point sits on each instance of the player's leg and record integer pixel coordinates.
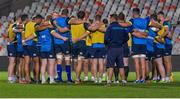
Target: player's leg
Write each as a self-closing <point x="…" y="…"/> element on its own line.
<point x="21" y="69"/>
<point x="126" y="66"/>
<point x="36" y="69"/>
<point x="143" y="68"/>
<point x="59" y="60"/>
<point x="51" y="64"/>
<point x="78" y="69"/>
<point x="137" y="68"/>
<point x="27" y="67"/>
<point x="168" y="67"/>
<point x="94" y="69"/>
<point x="43" y="70"/>
<point x="85" y="68"/>
<point x="101" y="69"/>
<point x="11" y="70"/>
<point x="68" y="67"/>
<point x="116" y="73"/>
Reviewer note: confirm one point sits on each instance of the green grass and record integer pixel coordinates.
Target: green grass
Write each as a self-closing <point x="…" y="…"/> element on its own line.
<point x="90" y="90"/>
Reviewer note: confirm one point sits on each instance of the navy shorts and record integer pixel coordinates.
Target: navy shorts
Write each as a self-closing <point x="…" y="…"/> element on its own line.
<point x="168" y="50"/>
<point x="11" y="50"/>
<point x="47" y="55"/>
<point x="115" y="56"/>
<point x="62" y="48"/>
<point x="139" y="49"/>
<point x="31" y="51"/>
<point x="98" y="53"/>
<point x="158" y="52"/>
<point x="126" y="50"/>
<point x="79" y="48"/>
<point x="149" y="55"/>
<point x="88" y="52"/>
<point x="20" y="54"/>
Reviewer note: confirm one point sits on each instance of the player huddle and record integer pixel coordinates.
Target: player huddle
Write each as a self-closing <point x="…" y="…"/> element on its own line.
<point x="60" y="42"/>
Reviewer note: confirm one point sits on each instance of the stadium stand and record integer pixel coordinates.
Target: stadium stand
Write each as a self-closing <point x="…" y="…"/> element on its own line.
<point x="171" y="9"/>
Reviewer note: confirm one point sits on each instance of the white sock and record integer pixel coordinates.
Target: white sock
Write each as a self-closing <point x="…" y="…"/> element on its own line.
<point x="104" y="74"/>
<point x="51" y="78"/>
<point x="163" y="79"/>
<point x="43" y="78"/>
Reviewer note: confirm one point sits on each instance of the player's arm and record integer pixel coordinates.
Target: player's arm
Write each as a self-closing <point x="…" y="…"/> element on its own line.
<point x="53" y="32"/>
<point x="74" y="21"/>
<point x="62" y="30"/>
<point x="126" y="24"/>
<point x="41" y="27"/>
<point x="107" y="36"/>
<point x="140" y="34"/>
<point x="94" y="26"/>
<point x="155" y="24"/>
<point x="32" y="36"/>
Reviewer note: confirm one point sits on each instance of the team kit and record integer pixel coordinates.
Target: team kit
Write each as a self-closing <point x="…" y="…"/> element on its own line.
<point x="41" y="48"/>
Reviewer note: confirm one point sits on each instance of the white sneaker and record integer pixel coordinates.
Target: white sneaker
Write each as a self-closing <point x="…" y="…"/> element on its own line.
<point x="11" y="81"/>
<point x="168" y="79"/>
<point x="95" y="80"/>
<point x="52" y="82"/>
<point x="116" y="82"/>
<point x="92" y="78"/>
<point x="100" y="80"/>
<point x="86" y="78"/>
<point x="43" y="82"/>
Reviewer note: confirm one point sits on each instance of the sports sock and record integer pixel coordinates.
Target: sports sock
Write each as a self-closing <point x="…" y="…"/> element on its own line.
<point x="126" y="69"/>
<point x="116" y="73"/>
<point x="59" y="72"/>
<point x="68" y="72"/>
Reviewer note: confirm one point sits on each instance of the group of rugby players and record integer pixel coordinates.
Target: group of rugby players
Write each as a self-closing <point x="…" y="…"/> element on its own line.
<point x="59" y="42"/>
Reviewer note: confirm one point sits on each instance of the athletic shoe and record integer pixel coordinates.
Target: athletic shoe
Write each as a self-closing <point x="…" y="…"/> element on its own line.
<point x="95" y="80"/>
<point x="104" y="77"/>
<point x="70" y="82"/>
<point x="124" y="82"/>
<point x="116" y="82"/>
<point x="86" y="78"/>
<point x="162" y="81"/>
<point x="11" y="81"/>
<point x="92" y="78"/>
<point x="43" y="82"/>
<point x="143" y="81"/>
<point x="52" y="82"/>
<point x="100" y="80"/>
<point x="154" y="81"/>
<point x="137" y="81"/>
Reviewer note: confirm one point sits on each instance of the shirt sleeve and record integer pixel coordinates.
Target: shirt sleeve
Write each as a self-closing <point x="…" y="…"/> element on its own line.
<point x="107" y="36"/>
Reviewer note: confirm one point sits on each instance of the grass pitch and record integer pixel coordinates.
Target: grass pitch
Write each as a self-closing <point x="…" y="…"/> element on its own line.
<point x="90" y="90"/>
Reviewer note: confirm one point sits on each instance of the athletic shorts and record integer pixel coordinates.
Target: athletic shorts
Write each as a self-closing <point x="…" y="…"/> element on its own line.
<point x="168" y="50"/>
<point x="62" y="48"/>
<point x="20" y="54"/>
<point x="47" y="55"/>
<point x="139" y="49"/>
<point x="11" y="50"/>
<point x="149" y="55"/>
<point x="158" y="52"/>
<point x="115" y="56"/>
<point x="88" y="51"/>
<point x="126" y="50"/>
<point x="79" y="49"/>
<point x="98" y="52"/>
<point x="31" y="51"/>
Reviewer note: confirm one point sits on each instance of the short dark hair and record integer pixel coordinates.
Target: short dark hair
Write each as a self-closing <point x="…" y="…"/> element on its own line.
<point x="39" y="16"/>
<point x="115" y="16"/>
<point x="98" y="17"/>
<point x="24" y="17"/>
<point x="154" y="16"/>
<point x="65" y="11"/>
<point x="161" y="12"/>
<point x="105" y="21"/>
<point x="136" y="10"/>
<point x="81" y="14"/>
<point x="91" y="20"/>
<point x="121" y="16"/>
